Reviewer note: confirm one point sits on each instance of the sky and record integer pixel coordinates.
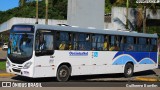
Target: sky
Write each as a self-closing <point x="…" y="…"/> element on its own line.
<point x="8" y="4"/>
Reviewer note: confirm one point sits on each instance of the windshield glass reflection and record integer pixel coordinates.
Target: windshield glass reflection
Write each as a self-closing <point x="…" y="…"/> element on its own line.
<point x="21" y="45"/>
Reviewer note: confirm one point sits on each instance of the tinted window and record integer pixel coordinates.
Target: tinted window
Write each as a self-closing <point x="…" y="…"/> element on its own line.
<point x="44" y="42"/>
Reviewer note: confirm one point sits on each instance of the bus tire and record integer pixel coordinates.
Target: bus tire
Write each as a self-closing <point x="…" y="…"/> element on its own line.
<point x="63" y="73"/>
<point x="128" y="70"/>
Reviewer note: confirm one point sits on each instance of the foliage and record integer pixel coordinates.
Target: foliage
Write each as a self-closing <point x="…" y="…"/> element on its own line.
<point x="3" y="65"/>
<point x="108" y="6"/>
<point x="153" y="30"/>
<point x="4" y="37"/>
<point x="58" y="10"/>
<point x="22" y="3"/>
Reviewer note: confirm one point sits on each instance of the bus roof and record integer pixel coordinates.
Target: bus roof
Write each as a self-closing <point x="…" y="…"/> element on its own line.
<point x="86" y="30"/>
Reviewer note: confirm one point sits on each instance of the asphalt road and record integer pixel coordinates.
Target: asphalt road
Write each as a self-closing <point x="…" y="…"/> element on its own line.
<point x="107" y="80"/>
<point x="51" y="82"/>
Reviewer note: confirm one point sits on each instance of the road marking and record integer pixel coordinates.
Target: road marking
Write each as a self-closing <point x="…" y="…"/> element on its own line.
<point x="6" y="75"/>
<point x="147" y="79"/>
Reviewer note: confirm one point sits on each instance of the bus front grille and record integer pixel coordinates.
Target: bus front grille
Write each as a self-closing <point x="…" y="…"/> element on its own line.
<point x="16" y="70"/>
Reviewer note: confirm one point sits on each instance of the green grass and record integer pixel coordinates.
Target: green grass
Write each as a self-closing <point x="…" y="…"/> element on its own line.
<point x="3" y="65"/>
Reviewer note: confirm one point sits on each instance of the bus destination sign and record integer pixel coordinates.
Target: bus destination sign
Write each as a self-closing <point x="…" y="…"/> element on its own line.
<point x="23" y="29"/>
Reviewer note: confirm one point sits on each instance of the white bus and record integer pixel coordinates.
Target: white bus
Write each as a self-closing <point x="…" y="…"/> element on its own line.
<point x="62" y="51"/>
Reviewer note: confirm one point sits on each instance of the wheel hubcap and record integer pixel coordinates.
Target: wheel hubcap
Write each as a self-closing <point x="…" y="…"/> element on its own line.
<point x="63" y="73"/>
<point x="129" y="71"/>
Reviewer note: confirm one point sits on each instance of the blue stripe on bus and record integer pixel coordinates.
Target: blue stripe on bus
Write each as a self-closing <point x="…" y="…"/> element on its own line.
<point x="153" y="56"/>
<point x="146" y="61"/>
<point x="136" y="56"/>
<point x="123" y="59"/>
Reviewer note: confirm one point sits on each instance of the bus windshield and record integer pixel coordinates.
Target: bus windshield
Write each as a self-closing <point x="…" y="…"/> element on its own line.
<point x="20" y="47"/>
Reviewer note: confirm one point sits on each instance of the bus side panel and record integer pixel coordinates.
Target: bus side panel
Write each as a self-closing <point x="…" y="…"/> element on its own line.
<point x="141" y="60"/>
<point x="44" y="66"/>
<point x="98" y="62"/>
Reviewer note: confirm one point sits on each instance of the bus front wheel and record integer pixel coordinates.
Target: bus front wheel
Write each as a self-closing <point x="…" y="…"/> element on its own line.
<point x="128" y="70"/>
<point x="63" y="73"/>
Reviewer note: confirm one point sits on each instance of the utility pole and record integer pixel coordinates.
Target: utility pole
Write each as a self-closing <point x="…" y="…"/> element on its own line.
<point x="127" y="5"/>
<point x="46" y="21"/>
<point x="144" y="19"/>
<point x="36" y="11"/>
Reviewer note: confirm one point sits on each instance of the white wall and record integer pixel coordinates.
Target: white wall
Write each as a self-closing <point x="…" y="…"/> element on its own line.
<point x="120" y="13"/>
<point x="86" y="13"/>
<point x="15" y="20"/>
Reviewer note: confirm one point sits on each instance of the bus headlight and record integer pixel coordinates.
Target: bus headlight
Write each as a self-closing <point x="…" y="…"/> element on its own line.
<point x="27" y="65"/>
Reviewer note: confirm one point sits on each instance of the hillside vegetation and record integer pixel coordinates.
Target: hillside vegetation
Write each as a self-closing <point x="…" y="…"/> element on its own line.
<point x="56" y="11"/>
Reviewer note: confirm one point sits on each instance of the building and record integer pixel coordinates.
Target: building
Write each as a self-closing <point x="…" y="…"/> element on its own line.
<point x="117" y="19"/>
<point x="86" y="13"/>
<point x="6" y="26"/>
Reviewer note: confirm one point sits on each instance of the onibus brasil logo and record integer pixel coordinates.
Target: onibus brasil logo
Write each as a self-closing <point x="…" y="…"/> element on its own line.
<point x="147" y="1"/>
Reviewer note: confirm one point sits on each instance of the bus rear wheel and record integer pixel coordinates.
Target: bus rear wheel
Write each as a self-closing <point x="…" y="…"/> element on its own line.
<point x="63" y="73"/>
<point x="128" y="70"/>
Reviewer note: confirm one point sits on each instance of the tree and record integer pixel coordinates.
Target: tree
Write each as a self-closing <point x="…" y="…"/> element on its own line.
<point x="141" y="15"/>
<point x="22" y="2"/>
<point x="124" y="3"/>
<point x="54" y="2"/>
<point x="145" y="6"/>
<point x="108" y="6"/>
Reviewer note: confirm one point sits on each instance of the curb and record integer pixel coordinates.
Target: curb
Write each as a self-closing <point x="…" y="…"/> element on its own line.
<point x="6" y="75"/>
<point x="151" y="79"/>
<point x="2" y="60"/>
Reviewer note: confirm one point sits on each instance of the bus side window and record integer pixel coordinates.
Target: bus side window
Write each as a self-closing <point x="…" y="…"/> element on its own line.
<point x="121" y="43"/>
<point x="70" y="42"/>
<point x="84" y="42"/>
<point x="142" y="44"/>
<point x="62" y="40"/>
<point x="112" y="43"/>
<point x="40" y="42"/>
<point x="135" y="43"/>
<point x="93" y="42"/>
<point x="88" y="42"/>
<point x="130" y="44"/>
<point x="44" y="43"/>
<point x="148" y="44"/>
<point x="81" y="41"/>
<point x="99" y="41"/>
<point x="48" y="42"/>
<point x="153" y="45"/>
<point x="105" y="44"/>
<point x="57" y="40"/>
<point x="75" y="41"/>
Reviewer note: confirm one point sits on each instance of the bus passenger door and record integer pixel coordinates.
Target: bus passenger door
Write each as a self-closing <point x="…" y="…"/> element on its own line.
<point x="44" y="58"/>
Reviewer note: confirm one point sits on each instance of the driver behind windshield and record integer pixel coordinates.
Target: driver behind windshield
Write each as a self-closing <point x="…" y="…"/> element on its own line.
<point x="25" y="45"/>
